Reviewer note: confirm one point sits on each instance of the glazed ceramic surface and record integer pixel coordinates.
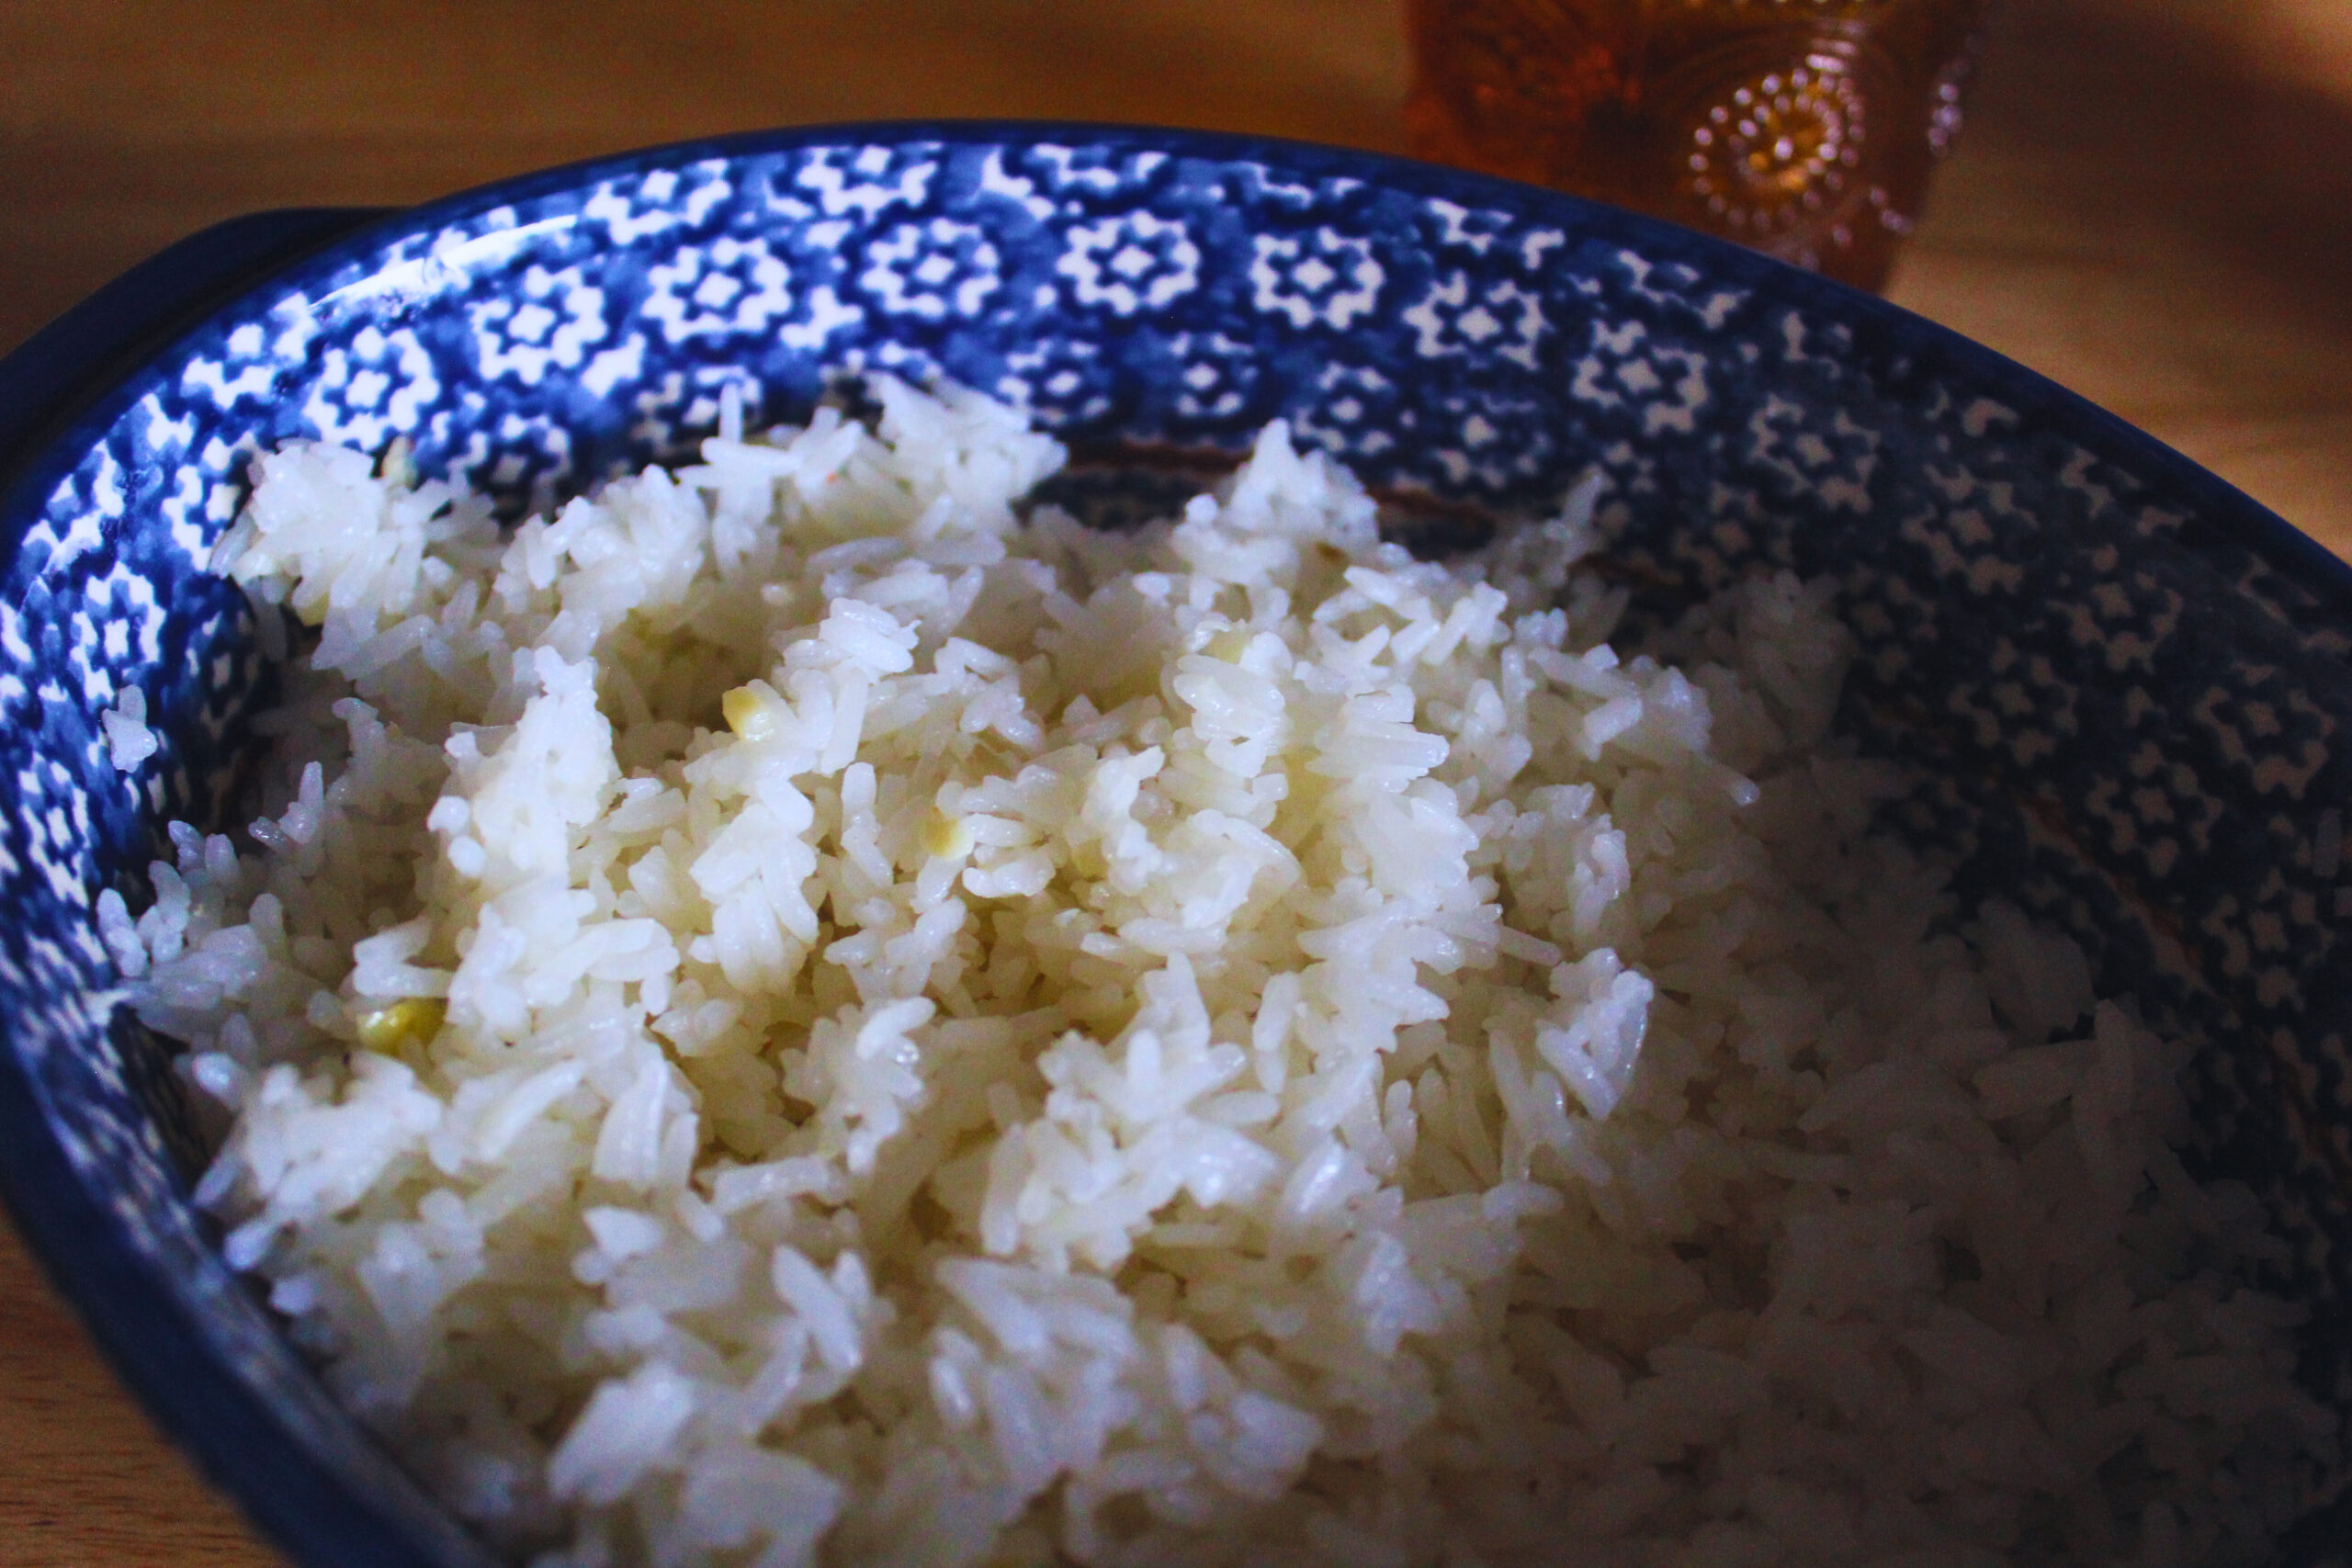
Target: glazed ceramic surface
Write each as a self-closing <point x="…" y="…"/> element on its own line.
<point x="2124" y="686"/>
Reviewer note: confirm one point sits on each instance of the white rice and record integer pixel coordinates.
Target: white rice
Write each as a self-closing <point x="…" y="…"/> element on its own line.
<point x="779" y="1015"/>
<point x="128" y="740"/>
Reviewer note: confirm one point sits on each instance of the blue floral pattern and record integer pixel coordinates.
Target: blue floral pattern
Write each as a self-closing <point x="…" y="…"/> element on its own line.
<point x="2125" y="686"/>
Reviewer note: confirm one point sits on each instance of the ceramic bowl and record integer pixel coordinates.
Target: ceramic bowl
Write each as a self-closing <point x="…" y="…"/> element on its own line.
<point x="2129" y="687"/>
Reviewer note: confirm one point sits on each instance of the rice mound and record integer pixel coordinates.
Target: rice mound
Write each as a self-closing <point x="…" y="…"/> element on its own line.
<point x="782" y="1014"/>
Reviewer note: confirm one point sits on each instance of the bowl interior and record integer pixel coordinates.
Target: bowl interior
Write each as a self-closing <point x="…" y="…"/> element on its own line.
<point x="2120" y="680"/>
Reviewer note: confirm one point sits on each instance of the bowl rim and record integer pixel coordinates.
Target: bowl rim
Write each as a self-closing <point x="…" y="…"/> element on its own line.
<point x="2032" y="394"/>
<point x="320" y="1512"/>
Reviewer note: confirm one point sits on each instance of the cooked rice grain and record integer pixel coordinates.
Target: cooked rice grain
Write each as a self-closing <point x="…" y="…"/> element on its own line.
<point x="781" y="1015"/>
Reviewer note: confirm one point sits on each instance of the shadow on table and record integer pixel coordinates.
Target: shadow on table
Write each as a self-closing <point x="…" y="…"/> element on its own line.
<point x="2208" y="142"/>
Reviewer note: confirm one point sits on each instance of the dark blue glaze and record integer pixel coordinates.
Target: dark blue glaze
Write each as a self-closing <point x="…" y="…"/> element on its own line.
<point x="2123" y="680"/>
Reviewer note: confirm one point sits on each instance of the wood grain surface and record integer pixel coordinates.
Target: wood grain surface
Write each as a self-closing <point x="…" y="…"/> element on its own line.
<point x="2151" y="204"/>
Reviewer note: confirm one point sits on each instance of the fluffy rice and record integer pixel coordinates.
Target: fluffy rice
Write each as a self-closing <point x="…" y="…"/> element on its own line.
<point x="781" y="1015"/>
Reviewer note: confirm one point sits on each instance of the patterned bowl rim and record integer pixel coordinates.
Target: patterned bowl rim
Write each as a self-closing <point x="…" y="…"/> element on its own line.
<point x="317" y="1512"/>
<point x="2034" y="395"/>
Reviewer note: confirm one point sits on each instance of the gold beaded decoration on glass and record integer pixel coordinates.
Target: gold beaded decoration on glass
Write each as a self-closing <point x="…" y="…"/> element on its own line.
<point x="1803" y="128"/>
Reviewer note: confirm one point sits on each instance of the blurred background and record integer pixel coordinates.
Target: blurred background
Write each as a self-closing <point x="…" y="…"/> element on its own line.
<point x="2151" y="203"/>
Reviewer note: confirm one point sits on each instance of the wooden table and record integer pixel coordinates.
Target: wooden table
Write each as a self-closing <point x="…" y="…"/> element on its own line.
<point x="2153" y="204"/>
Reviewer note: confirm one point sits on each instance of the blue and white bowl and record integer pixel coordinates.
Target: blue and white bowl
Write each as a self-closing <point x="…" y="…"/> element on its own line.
<point x="2130" y="686"/>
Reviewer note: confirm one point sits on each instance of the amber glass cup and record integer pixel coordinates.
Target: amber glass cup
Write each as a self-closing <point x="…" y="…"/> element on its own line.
<point x="1806" y="128"/>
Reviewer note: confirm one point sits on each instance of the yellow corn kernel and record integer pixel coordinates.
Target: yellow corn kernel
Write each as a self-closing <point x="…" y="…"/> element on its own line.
<point x="399" y="463"/>
<point x="747" y="715"/>
<point x="1229" y="644"/>
<point x="413" y="1020"/>
<point x="946" y="837"/>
